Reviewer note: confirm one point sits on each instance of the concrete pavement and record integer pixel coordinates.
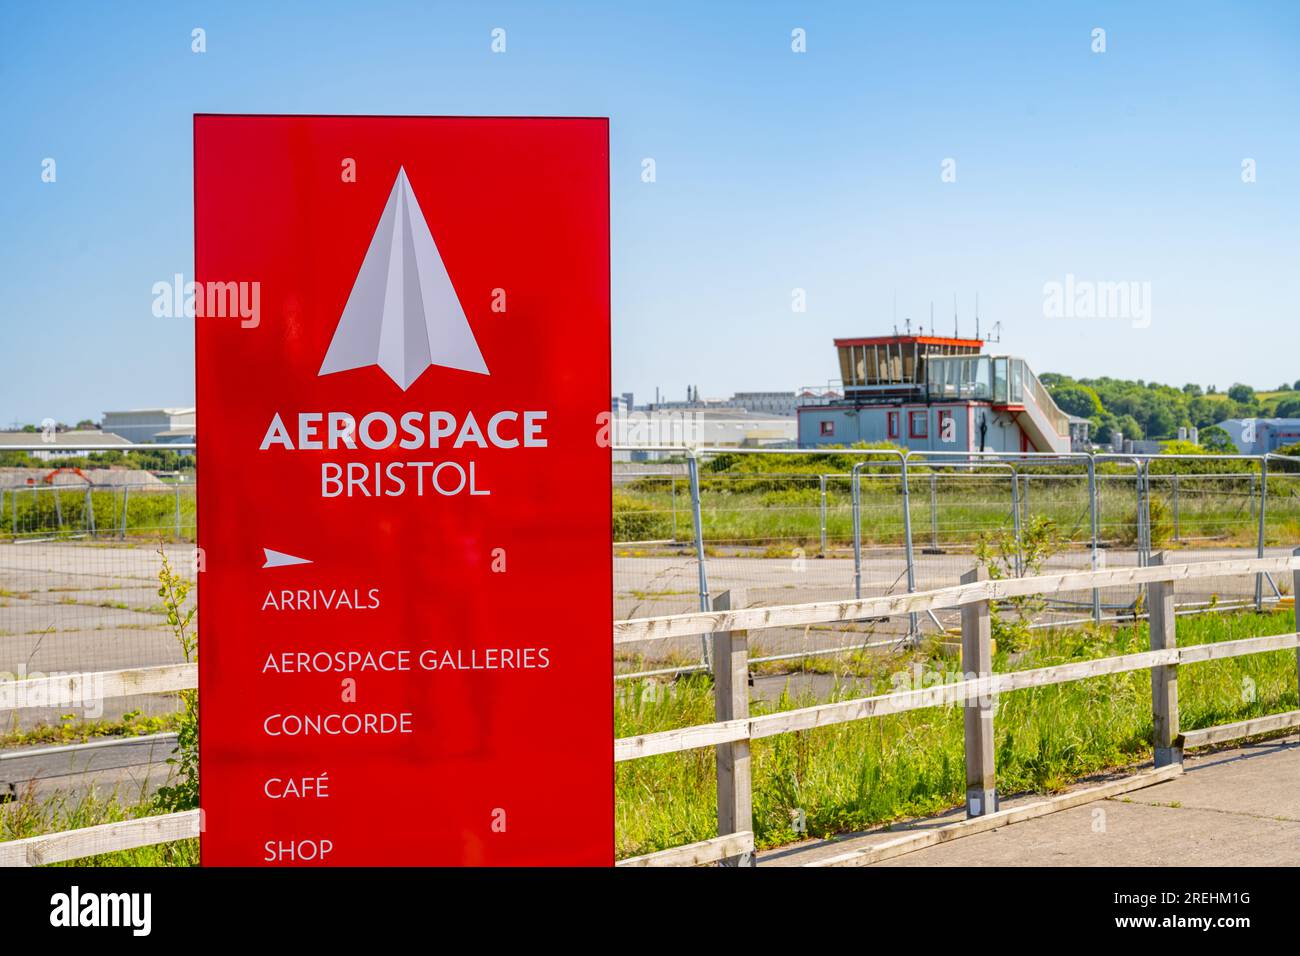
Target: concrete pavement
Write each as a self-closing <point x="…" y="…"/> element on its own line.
<point x="1233" y="807"/>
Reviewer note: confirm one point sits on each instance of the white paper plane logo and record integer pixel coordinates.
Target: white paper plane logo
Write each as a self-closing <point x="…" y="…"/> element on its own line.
<point x="403" y="313"/>
<point x="278" y="559"/>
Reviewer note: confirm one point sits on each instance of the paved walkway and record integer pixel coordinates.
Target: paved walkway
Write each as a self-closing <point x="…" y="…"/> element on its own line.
<point x="1235" y="807"/>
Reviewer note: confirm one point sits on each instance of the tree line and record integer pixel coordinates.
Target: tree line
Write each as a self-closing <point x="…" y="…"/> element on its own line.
<point x="1150" y="410"/>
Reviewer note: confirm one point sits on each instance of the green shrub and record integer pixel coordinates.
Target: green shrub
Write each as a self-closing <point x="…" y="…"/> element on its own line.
<point x="182" y="791"/>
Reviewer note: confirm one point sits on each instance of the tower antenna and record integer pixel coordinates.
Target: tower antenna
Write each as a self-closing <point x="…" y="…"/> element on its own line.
<point x="977" y="315"/>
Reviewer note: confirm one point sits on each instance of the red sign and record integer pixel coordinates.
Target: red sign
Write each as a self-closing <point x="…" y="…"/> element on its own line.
<point x="404" y="517"/>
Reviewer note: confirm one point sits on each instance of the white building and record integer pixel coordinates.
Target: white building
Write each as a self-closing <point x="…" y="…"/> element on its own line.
<point x="765" y="403"/>
<point x="698" y="427"/>
<point x="1259" y="436"/>
<point x="141" y="425"/>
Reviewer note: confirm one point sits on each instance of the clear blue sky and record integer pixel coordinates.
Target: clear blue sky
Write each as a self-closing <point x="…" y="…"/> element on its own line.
<point x="775" y="171"/>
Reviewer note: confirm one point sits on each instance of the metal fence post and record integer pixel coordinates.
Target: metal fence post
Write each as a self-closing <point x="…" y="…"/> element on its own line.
<point x="1095" y="544"/>
<point x="934" y="511"/>
<point x="1015" y="521"/>
<point x="1164" y="677"/>
<point x="1139" y="511"/>
<point x="693" y="473"/>
<point x="672" y="494"/>
<point x="1263" y="499"/>
<point x="977" y="662"/>
<point x="821" y="480"/>
<point x="1177" y="523"/>
<point x="90" y="512"/>
<point x="913" y="627"/>
<point x="731" y="702"/>
<point x="855" y="486"/>
<point x="126" y="497"/>
<point x="1144" y="513"/>
<point x="1295" y="592"/>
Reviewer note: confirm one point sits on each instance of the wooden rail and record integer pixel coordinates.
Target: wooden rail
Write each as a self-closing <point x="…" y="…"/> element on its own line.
<point x="733" y="731"/>
<point x="729" y="846"/>
<point x="105" y="838"/>
<point x="956" y="692"/>
<point x="99" y="685"/>
<point x="825" y="612"/>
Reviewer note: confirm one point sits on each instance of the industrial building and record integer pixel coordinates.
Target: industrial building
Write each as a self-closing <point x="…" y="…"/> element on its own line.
<point x="1259" y="436"/>
<point x="770" y="404"/>
<point x="141" y="425"/>
<point x="695" y="427"/>
<point x="928" y="392"/>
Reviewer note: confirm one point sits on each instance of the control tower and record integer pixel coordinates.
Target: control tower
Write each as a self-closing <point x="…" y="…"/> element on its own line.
<point x="928" y="392"/>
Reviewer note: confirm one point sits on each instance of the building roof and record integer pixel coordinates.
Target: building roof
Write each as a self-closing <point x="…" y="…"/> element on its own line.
<point x="159" y="411"/>
<point x="908" y="340"/>
<point x="1280" y="422"/>
<point x="72" y="439"/>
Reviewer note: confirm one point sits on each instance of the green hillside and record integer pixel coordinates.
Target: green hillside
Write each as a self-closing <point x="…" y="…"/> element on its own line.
<point x="1150" y="410"/>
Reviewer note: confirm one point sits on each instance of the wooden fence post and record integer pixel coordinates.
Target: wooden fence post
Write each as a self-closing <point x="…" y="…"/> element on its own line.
<point x="731" y="702"/>
<point x="977" y="660"/>
<point x="1164" y="677"/>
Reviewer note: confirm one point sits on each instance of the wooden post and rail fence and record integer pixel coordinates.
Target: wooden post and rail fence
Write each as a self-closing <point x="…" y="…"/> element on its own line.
<point x="734" y="729"/>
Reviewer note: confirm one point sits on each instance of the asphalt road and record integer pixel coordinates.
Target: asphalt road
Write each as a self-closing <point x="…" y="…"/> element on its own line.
<point x="73" y="606"/>
<point x="133" y="767"/>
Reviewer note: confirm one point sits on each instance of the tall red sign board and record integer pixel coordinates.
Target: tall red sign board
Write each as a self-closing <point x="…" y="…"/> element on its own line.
<point x="404" y="515"/>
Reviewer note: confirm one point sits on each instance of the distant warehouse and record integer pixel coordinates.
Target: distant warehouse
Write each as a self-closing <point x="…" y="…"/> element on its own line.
<point x="145" y="425"/>
<point x="70" y="444"/>
<point x="1259" y="436"/>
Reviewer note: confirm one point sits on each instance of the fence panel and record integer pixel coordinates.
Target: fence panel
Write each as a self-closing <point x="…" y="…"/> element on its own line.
<point x="79" y="567"/>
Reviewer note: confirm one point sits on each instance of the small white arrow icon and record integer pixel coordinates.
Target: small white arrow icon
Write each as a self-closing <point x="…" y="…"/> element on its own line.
<point x="278" y="559"/>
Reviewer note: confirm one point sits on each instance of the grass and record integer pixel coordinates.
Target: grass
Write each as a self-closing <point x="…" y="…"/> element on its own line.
<point x="744" y="512"/>
<point x="71" y="730"/>
<point x="29" y="816"/>
<point x="148" y="513"/>
<point x="755" y="510"/>
<point x="851" y="776"/>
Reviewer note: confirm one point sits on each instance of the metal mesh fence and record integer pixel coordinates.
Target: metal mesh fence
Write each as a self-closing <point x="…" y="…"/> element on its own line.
<point x="79" y="585"/>
<point x="79" y="561"/>
<point x="655" y="567"/>
<point x="779" y="529"/>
